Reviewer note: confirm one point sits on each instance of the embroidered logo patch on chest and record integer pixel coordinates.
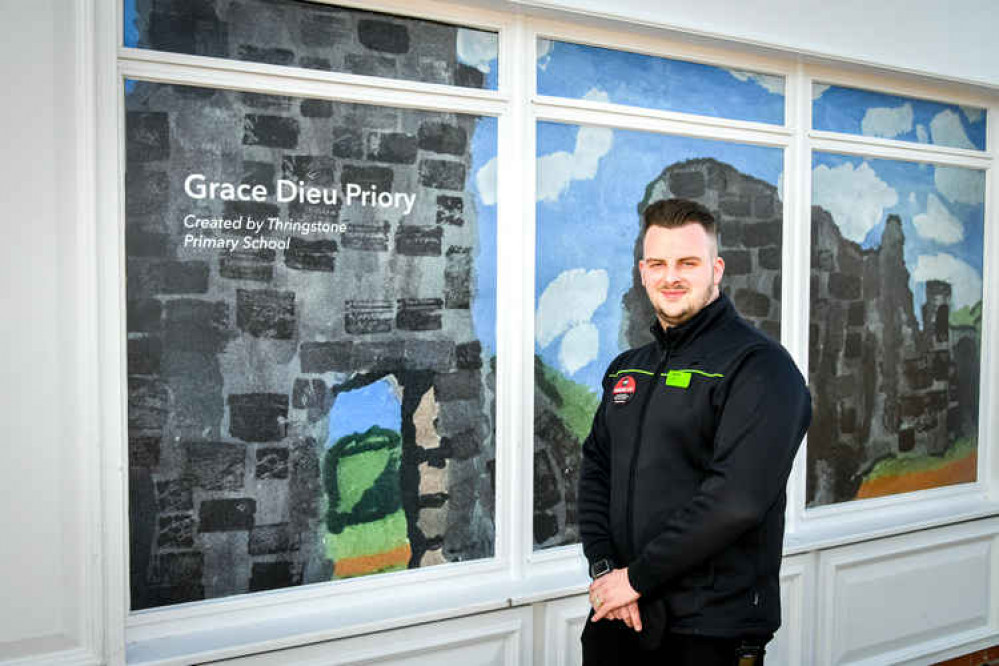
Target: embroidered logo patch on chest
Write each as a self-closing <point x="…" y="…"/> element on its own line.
<point x="678" y="378"/>
<point x="624" y="390"/>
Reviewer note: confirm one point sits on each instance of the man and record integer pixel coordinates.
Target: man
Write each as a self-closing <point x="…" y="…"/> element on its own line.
<point x="682" y="486"/>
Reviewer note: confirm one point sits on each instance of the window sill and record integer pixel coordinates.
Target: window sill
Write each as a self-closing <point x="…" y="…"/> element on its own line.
<point x="868" y="520"/>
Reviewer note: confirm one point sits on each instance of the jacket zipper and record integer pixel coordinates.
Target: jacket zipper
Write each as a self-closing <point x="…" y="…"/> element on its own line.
<point x="638" y="443"/>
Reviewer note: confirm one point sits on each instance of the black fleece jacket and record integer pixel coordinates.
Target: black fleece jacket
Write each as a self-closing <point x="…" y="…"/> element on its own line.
<point x="684" y="471"/>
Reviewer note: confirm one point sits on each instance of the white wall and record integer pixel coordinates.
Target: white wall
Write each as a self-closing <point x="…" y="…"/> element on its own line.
<point x="50" y="458"/>
<point x="954" y="40"/>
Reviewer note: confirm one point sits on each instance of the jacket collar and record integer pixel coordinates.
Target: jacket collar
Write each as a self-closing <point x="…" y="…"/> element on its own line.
<point x="674" y="337"/>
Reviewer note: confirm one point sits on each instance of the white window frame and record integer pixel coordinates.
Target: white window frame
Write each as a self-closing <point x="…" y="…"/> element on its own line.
<point x="548" y="563"/>
<point x="861" y="520"/>
<point x="516" y="575"/>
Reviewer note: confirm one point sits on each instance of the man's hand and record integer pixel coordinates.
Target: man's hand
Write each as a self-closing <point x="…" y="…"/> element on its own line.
<point x="613" y="594"/>
<point x="628" y="614"/>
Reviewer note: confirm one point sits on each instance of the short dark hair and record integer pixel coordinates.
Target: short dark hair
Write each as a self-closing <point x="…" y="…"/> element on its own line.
<point x="672" y="213"/>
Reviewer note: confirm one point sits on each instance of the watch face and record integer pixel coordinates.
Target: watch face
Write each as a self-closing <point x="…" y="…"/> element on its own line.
<point x="600" y="568"/>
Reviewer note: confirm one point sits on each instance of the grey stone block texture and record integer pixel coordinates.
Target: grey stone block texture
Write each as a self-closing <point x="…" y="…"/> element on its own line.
<point x="309" y="35"/>
<point x="236" y="356"/>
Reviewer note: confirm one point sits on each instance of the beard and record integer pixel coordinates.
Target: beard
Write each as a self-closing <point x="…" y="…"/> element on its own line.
<point x="676" y="312"/>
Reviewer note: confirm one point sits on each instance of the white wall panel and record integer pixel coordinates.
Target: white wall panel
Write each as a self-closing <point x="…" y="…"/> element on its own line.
<point x="564" y="622"/>
<point x="48" y="476"/>
<point x="502" y="638"/>
<point x="792" y="642"/>
<point x="889" y="600"/>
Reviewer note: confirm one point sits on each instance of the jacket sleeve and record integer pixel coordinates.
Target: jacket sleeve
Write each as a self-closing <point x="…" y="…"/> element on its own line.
<point x="765" y="414"/>
<point x="593" y="498"/>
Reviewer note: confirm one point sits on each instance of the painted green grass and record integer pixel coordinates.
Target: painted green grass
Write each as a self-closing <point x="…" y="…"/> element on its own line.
<point x="579" y="403"/>
<point x="903" y="464"/>
<point x="356" y="473"/>
<point x="968" y="316"/>
<point x="378" y="536"/>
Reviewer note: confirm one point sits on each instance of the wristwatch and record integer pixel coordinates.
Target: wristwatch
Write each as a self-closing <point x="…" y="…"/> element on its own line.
<point x="601" y="567"/>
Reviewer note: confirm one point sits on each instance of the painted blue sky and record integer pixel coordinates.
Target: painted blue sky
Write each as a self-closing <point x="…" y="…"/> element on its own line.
<point x="942" y="211"/>
<point x="854" y="111"/>
<point x="482" y="185"/>
<point x="590" y="182"/>
<point x="574" y="70"/>
<point x="358" y="410"/>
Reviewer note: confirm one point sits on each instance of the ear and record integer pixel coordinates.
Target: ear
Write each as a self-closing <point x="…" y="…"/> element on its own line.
<point x="719" y="270"/>
<point x="641" y="270"/>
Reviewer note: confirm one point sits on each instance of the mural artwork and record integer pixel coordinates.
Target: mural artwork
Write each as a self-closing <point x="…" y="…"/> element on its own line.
<point x="590" y="302"/>
<point x="869" y="113"/>
<point x="311" y="336"/>
<point x="311" y="307"/>
<point x="317" y="36"/>
<point x="896" y="323"/>
<point x="578" y="71"/>
<point x="593" y="184"/>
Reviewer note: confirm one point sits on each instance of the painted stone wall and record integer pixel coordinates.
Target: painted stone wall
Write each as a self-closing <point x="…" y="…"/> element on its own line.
<point x="883" y="384"/>
<point x="235" y="357"/>
<point x="749" y="216"/>
<point x="312" y="35"/>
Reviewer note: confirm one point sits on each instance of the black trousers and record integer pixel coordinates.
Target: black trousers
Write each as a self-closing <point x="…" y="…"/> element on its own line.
<point x="612" y="643"/>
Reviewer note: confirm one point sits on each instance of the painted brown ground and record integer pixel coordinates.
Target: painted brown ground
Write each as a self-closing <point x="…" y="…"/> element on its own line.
<point x="961" y="470"/>
<point x="367" y="564"/>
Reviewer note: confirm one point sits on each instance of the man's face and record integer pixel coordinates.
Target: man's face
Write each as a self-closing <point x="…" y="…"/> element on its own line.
<point x="680" y="271"/>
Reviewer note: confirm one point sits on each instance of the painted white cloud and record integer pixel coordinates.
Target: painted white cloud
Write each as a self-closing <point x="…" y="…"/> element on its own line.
<point x="972" y="113"/>
<point x="855" y="197"/>
<point x="769" y="82"/>
<point x="818" y="89"/>
<point x="887" y="122"/>
<point x="938" y="224"/>
<point x="557" y="170"/>
<point x="569" y="300"/>
<point x="579" y="347"/>
<point x="947" y="130"/>
<point x="596" y="95"/>
<point x="960" y="185"/>
<point x="965" y="282"/>
<point x="912" y="198"/>
<point x="544" y="47"/>
<point x="922" y="136"/>
<point x="477" y="48"/>
<point x="485" y="181"/>
<point x="554" y="175"/>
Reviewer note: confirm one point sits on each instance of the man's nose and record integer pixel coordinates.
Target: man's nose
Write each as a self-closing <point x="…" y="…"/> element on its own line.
<point x="670" y="274"/>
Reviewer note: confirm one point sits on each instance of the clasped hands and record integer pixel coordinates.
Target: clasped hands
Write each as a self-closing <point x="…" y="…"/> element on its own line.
<point x="612" y="597"/>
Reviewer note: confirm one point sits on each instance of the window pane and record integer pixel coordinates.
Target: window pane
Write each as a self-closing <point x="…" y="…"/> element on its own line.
<point x="311" y="340"/>
<point x="592" y="184"/>
<point x="896" y="321"/>
<point x="854" y="111"/>
<point x="316" y="36"/>
<point x="589" y="72"/>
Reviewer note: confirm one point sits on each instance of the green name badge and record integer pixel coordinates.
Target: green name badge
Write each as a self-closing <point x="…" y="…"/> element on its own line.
<point x="678" y="378"/>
